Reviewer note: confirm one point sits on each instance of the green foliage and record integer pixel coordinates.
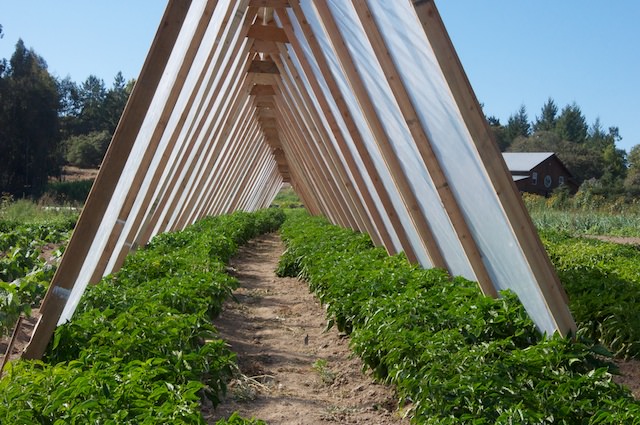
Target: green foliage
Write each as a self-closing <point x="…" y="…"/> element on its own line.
<point x="87" y="150"/>
<point x="287" y="198"/>
<point x="603" y="283"/>
<point x="24" y="276"/>
<point x="69" y="192"/>
<point x="572" y="125"/>
<point x="28" y="124"/>
<point x="454" y="355"/>
<point x="141" y="348"/>
<point x="585" y="213"/>
<point x="518" y="124"/>
<point x="235" y="419"/>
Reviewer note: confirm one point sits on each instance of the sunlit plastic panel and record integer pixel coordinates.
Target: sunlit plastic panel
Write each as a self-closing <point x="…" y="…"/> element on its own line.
<point x="171" y="132"/>
<point x="364" y="130"/>
<point x="457" y="155"/>
<point x="400" y="136"/>
<point x="361" y="169"/>
<point x="122" y="189"/>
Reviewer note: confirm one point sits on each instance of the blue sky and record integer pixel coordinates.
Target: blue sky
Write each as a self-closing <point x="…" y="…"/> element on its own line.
<point x="514" y="52"/>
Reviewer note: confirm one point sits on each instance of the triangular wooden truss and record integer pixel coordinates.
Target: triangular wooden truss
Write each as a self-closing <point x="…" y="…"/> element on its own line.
<point x="362" y="105"/>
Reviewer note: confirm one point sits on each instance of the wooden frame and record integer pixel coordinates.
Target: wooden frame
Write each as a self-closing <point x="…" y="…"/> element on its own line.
<point x="251" y="101"/>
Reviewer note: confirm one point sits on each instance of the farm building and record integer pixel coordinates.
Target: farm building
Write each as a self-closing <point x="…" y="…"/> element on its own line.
<point x="538" y="172"/>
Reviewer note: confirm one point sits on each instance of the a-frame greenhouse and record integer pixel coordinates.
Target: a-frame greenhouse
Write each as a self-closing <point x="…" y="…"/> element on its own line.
<point x="362" y="106"/>
<point x="364" y="109"/>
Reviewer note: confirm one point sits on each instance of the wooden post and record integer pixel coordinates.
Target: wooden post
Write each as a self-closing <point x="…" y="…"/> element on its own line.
<point x="326" y="149"/>
<point x="312" y="143"/>
<point x="425" y="148"/>
<point x="318" y="179"/>
<point x="422" y="226"/>
<point x="495" y="166"/>
<point x="106" y="181"/>
<point x="377" y="222"/>
<point x="356" y="137"/>
<point x="153" y="143"/>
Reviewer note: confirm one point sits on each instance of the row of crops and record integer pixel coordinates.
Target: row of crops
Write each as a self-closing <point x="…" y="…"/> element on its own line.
<point x="24" y="274"/>
<point x="141" y="348"/>
<point x="456" y="356"/>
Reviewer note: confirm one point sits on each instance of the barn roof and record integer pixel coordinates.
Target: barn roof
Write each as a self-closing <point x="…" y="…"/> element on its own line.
<point x="525" y="161"/>
<point x="362" y="105"/>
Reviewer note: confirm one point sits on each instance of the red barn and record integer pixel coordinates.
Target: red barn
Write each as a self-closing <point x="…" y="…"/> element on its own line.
<point x="538" y="172"/>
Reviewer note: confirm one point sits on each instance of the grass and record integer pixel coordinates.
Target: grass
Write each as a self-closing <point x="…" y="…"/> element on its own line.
<point x="584" y="215"/>
<point x="287" y="198"/>
<point x="24" y="211"/>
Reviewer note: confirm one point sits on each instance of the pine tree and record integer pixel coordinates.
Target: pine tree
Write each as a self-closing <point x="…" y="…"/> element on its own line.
<point x="548" y="117"/>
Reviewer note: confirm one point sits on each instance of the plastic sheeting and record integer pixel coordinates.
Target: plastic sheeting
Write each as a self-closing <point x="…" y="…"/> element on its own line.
<point x="210" y="154"/>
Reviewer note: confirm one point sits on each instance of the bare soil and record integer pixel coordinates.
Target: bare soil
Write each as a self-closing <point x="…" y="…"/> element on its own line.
<point x="292" y="371"/>
<point x="71" y="174"/>
<point x="626" y="240"/>
<point x="23" y="332"/>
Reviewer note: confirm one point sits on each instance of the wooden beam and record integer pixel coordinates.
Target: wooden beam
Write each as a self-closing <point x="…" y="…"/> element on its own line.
<point x="269" y="3"/>
<point x="423" y="143"/>
<point x="356" y="137"/>
<point x="494" y="165"/>
<point x="196" y="126"/>
<point x="324" y="146"/>
<point x="106" y="181"/>
<point x="302" y="144"/>
<point x="262" y="90"/>
<point x="360" y="186"/>
<point x="267" y="33"/>
<point x="266" y="47"/>
<point x="263" y="67"/>
<point x="392" y="162"/>
<point x="152" y="145"/>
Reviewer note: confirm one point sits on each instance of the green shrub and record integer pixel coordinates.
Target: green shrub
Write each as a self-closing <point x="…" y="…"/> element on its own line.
<point x="140" y="347"/>
<point x="453" y="354"/>
<point x="87" y="150"/>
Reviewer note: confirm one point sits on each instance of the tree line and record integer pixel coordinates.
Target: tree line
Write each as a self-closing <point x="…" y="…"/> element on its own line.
<point x="47" y="122"/>
<point x="588" y="151"/>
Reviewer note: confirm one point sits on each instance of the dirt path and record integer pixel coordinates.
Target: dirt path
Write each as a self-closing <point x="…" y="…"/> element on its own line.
<point x="294" y="372"/>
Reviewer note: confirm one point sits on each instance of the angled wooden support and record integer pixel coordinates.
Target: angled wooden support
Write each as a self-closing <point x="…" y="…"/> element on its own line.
<point x="114" y="162"/>
<point x="425" y="148"/>
<point x="325" y="147"/>
<point x="305" y="174"/>
<point x="263" y="67"/>
<point x="234" y="116"/>
<point x="423" y="228"/>
<point x="350" y="165"/>
<point x="196" y="130"/>
<point x="205" y="131"/>
<point x="487" y="150"/>
<point x="239" y="145"/>
<point x="305" y="152"/>
<point x="270" y="33"/>
<point x="153" y="143"/>
<point x="236" y="195"/>
<point x="307" y="148"/>
<point x="355" y="137"/>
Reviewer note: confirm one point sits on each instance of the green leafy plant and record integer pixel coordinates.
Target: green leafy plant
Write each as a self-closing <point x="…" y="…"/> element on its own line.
<point x="453" y="354"/>
<point x="141" y="347"/>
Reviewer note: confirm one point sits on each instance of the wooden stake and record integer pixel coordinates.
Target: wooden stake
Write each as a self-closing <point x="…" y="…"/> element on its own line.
<point x="425" y="148"/>
<point x="495" y="167"/>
